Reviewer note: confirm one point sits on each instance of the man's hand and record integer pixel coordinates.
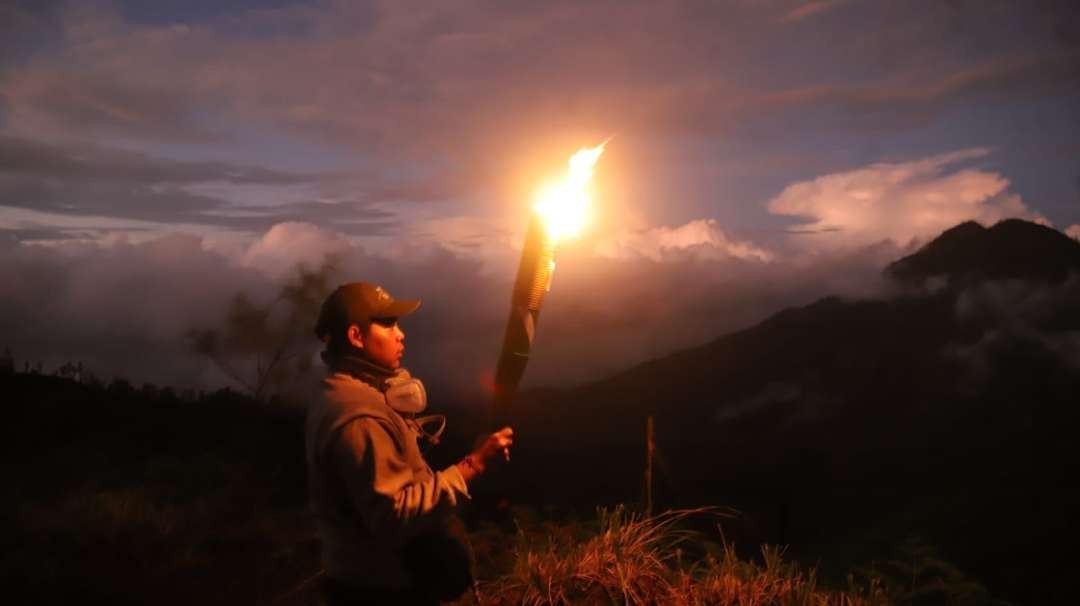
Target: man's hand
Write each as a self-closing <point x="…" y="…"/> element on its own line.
<point x="495" y="445"/>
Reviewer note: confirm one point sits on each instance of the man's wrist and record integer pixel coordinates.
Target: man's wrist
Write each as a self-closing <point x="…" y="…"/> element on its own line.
<point x="475" y="462"/>
<point x="473" y="465"/>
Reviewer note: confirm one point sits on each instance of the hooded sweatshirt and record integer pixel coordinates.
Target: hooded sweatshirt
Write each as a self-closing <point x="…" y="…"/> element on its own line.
<point x="371" y="491"/>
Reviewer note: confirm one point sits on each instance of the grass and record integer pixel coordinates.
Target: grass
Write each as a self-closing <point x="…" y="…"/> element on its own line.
<point x="635" y="559"/>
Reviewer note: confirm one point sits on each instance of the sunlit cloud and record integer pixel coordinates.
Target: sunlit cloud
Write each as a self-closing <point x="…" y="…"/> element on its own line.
<point x="898" y="201"/>
<point x="287" y="245"/>
<point x="701" y="238"/>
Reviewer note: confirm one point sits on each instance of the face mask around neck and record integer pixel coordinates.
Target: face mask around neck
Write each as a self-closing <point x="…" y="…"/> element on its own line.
<point x="406" y="394"/>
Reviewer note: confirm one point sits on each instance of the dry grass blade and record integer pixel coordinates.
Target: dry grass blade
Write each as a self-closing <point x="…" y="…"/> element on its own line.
<point x="635" y="559"/>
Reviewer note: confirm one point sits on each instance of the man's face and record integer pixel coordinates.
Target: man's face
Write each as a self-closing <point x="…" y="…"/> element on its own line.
<point x="384" y="342"/>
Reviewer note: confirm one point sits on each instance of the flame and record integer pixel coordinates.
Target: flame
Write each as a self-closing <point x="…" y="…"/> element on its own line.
<point x="564" y="207"/>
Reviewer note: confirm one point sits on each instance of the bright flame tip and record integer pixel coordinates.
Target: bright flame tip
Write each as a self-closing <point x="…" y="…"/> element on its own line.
<point x="565" y="207"/>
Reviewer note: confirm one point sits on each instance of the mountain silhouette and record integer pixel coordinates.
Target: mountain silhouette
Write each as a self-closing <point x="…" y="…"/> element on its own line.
<point x="1013" y="248"/>
<point x="946" y="413"/>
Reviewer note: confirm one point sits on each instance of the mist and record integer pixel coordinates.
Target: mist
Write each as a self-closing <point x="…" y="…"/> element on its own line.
<point x="124" y="308"/>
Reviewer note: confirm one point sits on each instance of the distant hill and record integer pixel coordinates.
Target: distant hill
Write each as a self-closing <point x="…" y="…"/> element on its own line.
<point x="970" y="253"/>
<point x="946" y="413"/>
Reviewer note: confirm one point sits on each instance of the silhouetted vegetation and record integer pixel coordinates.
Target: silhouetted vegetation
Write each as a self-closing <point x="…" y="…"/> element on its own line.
<point x="130" y="495"/>
<point x="265" y="347"/>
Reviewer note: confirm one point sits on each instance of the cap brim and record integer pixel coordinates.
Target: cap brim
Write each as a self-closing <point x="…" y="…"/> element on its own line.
<point x="399" y="308"/>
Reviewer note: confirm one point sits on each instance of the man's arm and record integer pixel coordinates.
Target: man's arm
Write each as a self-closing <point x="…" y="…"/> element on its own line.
<point x="380" y="482"/>
<point x="495" y="445"/>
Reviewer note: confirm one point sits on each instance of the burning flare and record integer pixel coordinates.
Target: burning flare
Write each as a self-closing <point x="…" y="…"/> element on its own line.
<point x="564" y="207"/>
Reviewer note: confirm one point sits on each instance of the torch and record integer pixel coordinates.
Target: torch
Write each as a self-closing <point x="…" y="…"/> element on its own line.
<point x="560" y="212"/>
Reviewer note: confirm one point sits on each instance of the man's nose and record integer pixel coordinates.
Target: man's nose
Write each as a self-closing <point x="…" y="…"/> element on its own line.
<point x="400" y="333"/>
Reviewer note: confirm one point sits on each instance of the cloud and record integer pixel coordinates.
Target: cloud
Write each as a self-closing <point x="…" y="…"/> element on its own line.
<point x="453" y="101"/>
<point x="123" y="307"/>
<point x="286" y="245"/>
<point x="898" y="201"/>
<point x="810" y="9"/>
<point x="466" y="77"/>
<point x="1073" y="231"/>
<point x="48" y="234"/>
<point x="485" y="238"/>
<point x="701" y="238"/>
<point x="906" y="101"/>
<point x="96" y="163"/>
<point x="1007" y="317"/>
<point x="120" y="307"/>
<point x="84" y="180"/>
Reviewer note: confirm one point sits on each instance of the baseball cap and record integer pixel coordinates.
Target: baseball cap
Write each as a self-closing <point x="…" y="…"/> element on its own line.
<point x="359" y="303"/>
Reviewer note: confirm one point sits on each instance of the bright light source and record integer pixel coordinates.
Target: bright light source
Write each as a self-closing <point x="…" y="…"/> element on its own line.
<point x="564" y="207"/>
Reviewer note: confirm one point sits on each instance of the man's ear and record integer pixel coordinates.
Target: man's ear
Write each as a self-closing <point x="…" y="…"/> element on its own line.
<point x="355" y="336"/>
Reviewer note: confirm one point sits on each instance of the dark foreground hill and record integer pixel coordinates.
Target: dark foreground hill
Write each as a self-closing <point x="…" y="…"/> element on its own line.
<point x="946" y="413"/>
<point x="125" y="495"/>
<point x="135" y="496"/>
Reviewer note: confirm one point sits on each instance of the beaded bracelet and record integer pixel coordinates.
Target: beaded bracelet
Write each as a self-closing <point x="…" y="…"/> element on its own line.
<point x="472" y="464"/>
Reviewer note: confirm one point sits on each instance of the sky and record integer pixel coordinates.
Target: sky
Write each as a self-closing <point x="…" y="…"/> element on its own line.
<point x="156" y="158"/>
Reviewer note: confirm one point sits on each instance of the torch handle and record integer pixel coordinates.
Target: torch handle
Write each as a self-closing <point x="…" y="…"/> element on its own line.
<point x="532" y="283"/>
<point x="545" y="267"/>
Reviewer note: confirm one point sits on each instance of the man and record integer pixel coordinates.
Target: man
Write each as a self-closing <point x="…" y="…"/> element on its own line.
<point x="389" y="534"/>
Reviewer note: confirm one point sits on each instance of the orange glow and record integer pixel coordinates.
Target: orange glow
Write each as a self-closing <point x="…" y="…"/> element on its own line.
<point x="564" y="207"/>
